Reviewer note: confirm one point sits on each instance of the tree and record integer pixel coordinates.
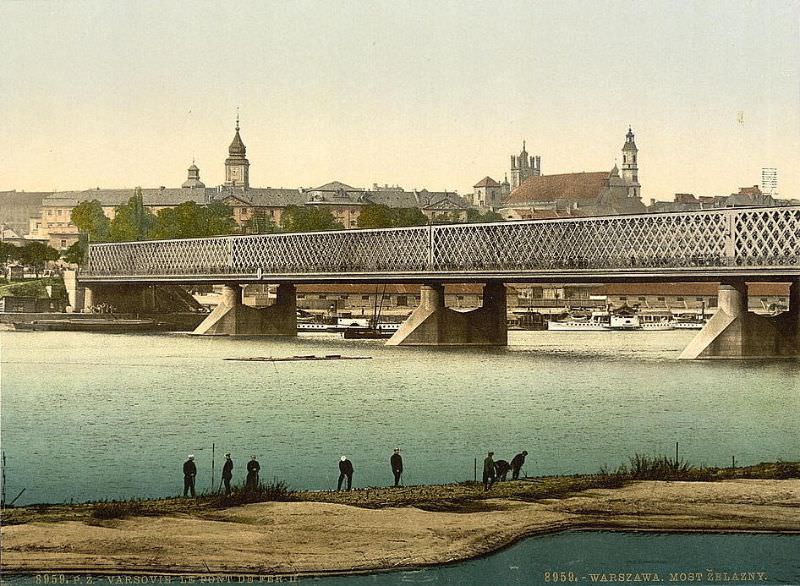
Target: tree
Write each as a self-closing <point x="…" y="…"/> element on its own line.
<point x="260" y="223"/>
<point x="308" y="219"/>
<point x="132" y="221"/>
<point x="90" y="219"/>
<point x="36" y="254"/>
<point x="376" y="216"/>
<point x="191" y="220"/>
<point x="381" y="216"/>
<point x="76" y="253"/>
<point x="8" y="252"/>
<point x="474" y="216"/>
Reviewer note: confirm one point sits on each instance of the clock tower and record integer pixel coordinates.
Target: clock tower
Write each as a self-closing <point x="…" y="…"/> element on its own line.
<point x="237" y="167"/>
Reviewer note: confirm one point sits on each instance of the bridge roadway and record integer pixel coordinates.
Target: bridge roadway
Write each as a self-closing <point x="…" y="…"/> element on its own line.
<point x="731" y="246"/>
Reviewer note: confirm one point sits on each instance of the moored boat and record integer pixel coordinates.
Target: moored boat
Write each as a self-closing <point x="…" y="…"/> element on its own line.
<point x="91" y="325"/>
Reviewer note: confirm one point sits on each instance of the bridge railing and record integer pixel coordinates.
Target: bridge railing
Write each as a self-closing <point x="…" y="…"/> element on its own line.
<point x="752" y="237"/>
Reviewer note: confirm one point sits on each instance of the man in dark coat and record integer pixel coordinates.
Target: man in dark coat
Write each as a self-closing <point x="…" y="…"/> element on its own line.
<point x="501" y="468"/>
<point x="345" y="471"/>
<point x="227" y="473"/>
<point x="516" y="463"/>
<point x="397" y="466"/>
<point x="189" y="472"/>
<point x="252" y="474"/>
<point x="488" y="471"/>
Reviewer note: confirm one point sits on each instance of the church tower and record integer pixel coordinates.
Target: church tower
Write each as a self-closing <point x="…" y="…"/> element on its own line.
<point x="237" y="167"/>
<point x="630" y="167"/>
<point x="193" y="180"/>
<point x="523" y="167"/>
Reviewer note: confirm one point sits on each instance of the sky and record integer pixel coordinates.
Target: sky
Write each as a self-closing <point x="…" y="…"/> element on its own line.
<point x="415" y="93"/>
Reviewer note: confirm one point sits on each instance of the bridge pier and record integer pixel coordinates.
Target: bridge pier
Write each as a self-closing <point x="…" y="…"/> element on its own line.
<point x="234" y="318"/>
<point x="433" y="324"/>
<point x="734" y="332"/>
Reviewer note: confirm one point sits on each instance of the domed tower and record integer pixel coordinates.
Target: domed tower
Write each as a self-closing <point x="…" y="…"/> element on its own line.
<point x="630" y="167"/>
<point x="237" y="167"/>
<point x="193" y="180"/>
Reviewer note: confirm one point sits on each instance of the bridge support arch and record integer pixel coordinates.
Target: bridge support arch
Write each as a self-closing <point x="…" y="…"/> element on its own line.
<point x="434" y="324"/>
<point x="734" y="332"/>
<point x="234" y="318"/>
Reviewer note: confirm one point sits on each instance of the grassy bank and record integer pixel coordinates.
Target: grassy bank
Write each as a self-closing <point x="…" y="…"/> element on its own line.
<point x="461" y="497"/>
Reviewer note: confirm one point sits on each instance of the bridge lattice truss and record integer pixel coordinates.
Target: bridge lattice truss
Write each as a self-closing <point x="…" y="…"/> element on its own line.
<point x="733" y="238"/>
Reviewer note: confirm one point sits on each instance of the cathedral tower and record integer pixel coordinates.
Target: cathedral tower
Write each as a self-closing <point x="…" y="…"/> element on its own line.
<point x="523" y="167"/>
<point x="630" y="167"/>
<point x="237" y="167"/>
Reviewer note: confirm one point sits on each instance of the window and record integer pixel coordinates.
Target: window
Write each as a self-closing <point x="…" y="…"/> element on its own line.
<point x="623" y="298"/>
<point x="460" y="297"/>
<point x="640" y="298"/>
<point x="343" y="297"/>
<point x="402" y="300"/>
<point x="365" y="298"/>
<point x="679" y="299"/>
<point x="323" y="296"/>
<point x="661" y="299"/>
<point x="698" y="298"/>
<point x="63" y="243"/>
<point x="301" y="295"/>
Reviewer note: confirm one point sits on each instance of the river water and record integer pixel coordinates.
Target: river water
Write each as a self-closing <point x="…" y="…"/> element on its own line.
<point x="100" y="416"/>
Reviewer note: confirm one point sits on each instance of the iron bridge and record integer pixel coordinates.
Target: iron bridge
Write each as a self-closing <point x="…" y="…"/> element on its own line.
<point x="753" y="243"/>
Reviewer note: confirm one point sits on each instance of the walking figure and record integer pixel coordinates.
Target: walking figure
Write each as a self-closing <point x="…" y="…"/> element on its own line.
<point x="252" y="473"/>
<point x="488" y="471"/>
<point x="397" y="466"/>
<point x="189" y="472"/>
<point x="345" y="471"/>
<point x="501" y="468"/>
<point x="516" y="464"/>
<point x="227" y="473"/>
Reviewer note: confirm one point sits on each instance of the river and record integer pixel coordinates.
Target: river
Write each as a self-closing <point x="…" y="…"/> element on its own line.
<point x="101" y="416"/>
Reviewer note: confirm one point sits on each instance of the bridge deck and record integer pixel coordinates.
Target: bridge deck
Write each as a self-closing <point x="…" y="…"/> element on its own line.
<point x="752" y="243"/>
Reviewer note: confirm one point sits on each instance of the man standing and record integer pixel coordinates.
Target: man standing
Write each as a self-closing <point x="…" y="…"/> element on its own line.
<point x="516" y="464"/>
<point x="488" y="471"/>
<point x="252" y="473"/>
<point x="227" y="473"/>
<point x="397" y="466"/>
<point x="189" y="472"/>
<point x="345" y="471"/>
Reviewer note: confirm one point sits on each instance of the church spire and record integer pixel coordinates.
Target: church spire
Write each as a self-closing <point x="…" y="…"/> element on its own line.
<point x="237" y="167"/>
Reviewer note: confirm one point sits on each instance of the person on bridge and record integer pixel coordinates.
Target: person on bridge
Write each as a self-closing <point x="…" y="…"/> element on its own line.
<point x="488" y="471"/>
<point x="516" y="463"/>
<point x="189" y="473"/>
<point x="345" y="471"/>
<point x="253" y="468"/>
<point x="227" y="473"/>
<point x="397" y="466"/>
<point x="501" y="468"/>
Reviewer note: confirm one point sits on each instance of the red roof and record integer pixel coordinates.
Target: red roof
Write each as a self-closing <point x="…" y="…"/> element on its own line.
<point x="487" y="182"/>
<point x="572" y="186"/>
<point x="690" y="289"/>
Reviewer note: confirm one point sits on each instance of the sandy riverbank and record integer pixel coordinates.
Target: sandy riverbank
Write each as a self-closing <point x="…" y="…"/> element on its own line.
<point x="324" y="537"/>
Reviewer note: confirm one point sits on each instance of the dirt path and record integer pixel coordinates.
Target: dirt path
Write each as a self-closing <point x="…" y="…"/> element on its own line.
<point x="315" y="537"/>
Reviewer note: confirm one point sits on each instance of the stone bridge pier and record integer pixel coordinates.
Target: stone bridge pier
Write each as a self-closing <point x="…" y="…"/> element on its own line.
<point x="734" y="332"/>
<point x="232" y="317"/>
<point x="434" y="324"/>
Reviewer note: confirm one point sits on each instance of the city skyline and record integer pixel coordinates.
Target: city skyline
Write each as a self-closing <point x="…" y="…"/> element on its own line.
<point x="421" y="96"/>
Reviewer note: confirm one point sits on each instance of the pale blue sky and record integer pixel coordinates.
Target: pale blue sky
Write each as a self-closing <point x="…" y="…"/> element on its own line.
<point x="433" y="94"/>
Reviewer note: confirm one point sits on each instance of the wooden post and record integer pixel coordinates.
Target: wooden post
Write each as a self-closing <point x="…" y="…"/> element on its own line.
<point x="475" y="470"/>
<point x="733" y="462"/>
<point x="676" y="453"/>
<point x="212" y="467"/>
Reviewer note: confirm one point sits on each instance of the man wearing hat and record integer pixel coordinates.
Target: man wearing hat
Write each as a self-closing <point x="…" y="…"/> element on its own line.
<point x="488" y="471"/>
<point x="345" y="471"/>
<point x="189" y="472"/>
<point x="227" y="473"/>
<point x="397" y="465"/>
